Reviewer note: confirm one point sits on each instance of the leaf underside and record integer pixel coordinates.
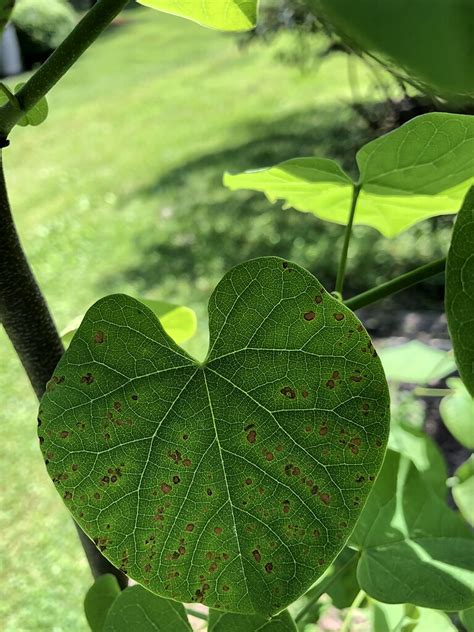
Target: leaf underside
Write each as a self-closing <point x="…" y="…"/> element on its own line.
<point x="225" y="15"/>
<point x="420" y="170"/>
<point x="460" y="291"/>
<point x="233" y="483"/>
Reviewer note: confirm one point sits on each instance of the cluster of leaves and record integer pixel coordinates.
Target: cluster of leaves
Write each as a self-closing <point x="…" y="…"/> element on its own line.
<point x="247" y="480"/>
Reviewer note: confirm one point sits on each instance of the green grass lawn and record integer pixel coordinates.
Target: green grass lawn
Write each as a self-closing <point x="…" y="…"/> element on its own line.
<point x="120" y="191"/>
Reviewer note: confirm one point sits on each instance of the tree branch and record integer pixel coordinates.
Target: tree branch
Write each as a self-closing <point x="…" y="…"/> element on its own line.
<point x="57" y="65"/>
<point x="397" y="285"/>
<point x="30" y="327"/>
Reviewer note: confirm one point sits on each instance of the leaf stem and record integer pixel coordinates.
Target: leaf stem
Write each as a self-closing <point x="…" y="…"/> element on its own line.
<point x="67" y="53"/>
<point x="30" y="327"/>
<point x="197" y="614"/>
<point x="398" y="284"/>
<point x="355" y="604"/>
<point x="322" y="587"/>
<point x="341" y="272"/>
<point x="431" y="392"/>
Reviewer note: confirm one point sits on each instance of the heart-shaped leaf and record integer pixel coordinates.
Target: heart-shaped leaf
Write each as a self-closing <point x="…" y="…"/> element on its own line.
<point x="98" y="600"/>
<point x="225" y="622"/>
<point x="139" y="610"/>
<point x="225" y="15"/>
<point x="420" y="170"/>
<point x="460" y="290"/>
<point x="413" y="548"/>
<point x="234" y="482"/>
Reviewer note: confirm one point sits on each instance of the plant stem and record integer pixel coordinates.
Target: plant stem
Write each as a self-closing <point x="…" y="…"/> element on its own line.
<point x="322" y="587"/>
<point x="67" y="53"/>
<point x="355" y="604"/>
<point x="30" y="327"/>
<point x="197" y="614"/>
<point x="431" y="392"/>
<point x="397" y="285"/>
<point x="341" y="272"/>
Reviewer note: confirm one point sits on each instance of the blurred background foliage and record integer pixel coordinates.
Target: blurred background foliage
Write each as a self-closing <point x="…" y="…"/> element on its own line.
<point x="121" y="191"/>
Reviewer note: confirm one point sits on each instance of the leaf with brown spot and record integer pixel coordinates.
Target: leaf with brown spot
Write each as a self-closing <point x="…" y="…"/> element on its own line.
<point x="241" y="424"/>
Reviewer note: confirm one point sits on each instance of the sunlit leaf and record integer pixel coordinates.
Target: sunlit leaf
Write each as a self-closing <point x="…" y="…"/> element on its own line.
<point x="38" y="113"/>
<point x="99" y="598"/>
<point x="420" y="170"/>
<point x="416" y="363"/>
<point x="460" y="290"/>
<point x="413" y="548"/>
<point x="222" y="622"/>
<point x="407" y="618"/>
<point x="138" y="610"/>
<point x="234" y="482"/>
<point x="463" y="489"/>
<point x="457" y="413"/>
<point x="225" y="15"/>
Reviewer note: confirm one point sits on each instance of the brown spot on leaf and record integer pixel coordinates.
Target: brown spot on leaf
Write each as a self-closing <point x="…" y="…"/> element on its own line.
<point x="338" y="316"/>
<point x="67" y="496"/>
<point x="269" y="567"/>
<point x="288" y="392"/>
<point x="187" y="462"/>
<point x="252" y="436"/>
<point x="64" y="434"/>
<point x="217" y="530"/>
<point x="318" y="299"/>
<point x="176" y="480"/>
<point x="99" y="337"/>
<point x="269" y="456"/>
<point x="165" y="488"/>
<point x="256" y="555"/>
<point x="309" y="316"/>
<point x="88" y="378"/>
<point x="325" y="498"/>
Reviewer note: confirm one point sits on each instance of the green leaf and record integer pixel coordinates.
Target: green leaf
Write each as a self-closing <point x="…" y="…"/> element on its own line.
<point x="178" y="321"/>
<point x="416" y="363"/>
<point x="420" y="170"/>
<point x="222" y="622"/>
<point x="460" y="290"/>
<point x="225" y="15"/>
<point x="424" y="454"/>
<point x="463" y="489"/>
<point x="38" y="113"/>
<point x="139" y="610"/>
<point x="35" y="116"/>
<point x="345" y="588"/>
<point x="234" y="482"/>
<point x="467" y="619"/>
<point x="406" y="618"/>
<point x="99" y="598"/>
<point x="413" y="548"/>
<point x="457" y="413"/>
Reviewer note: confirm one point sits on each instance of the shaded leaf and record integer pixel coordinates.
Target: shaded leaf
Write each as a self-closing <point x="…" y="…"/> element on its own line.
<point x="420" y="170"/>
<point x="416" y="363"/>
<point x="457" y="413"/>
<point x="234" y="482"/>
<point x="178" y="321"/>
<point x="413" y="548"/>
<point x="463" y="489"/>
<point x="467" y="619"/>
<point x="345" y="588"/>
<point x="225" y="15"/>
<point x="99" y="598"/>
<point x="222" y="622"/>
<point x="139" y="610"/>
<point x="460" y="290"/>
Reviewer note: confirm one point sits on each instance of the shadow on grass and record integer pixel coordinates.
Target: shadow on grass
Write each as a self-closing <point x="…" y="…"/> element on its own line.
<point x="203" y="229"/>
